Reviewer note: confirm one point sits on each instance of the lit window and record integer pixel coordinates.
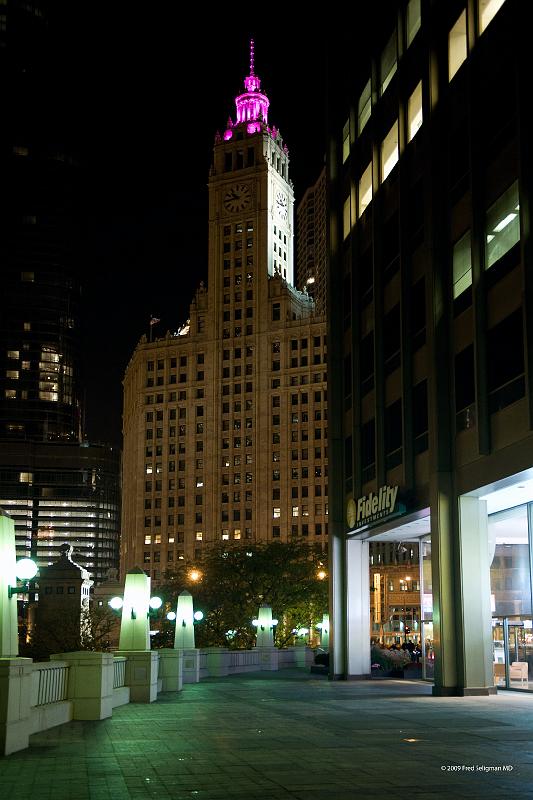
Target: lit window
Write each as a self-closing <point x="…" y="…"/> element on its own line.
<point x="346" y="141"/>
<point x="148" y="538"/>
<point x="199" y="536"/>
<point x="10" y="394"/>
<point x="388" y="63"/>
<point x="13" y="374"/>
<point x="462" y="265"/>
<point x="487" y="10"/>
<point x="27" y="326"/>
<point x="346" y="218"/>
<point x="502" y="225"/>
<point x="414" y="112"/>
<point x="364" y="107"/>
<point x="365" y="189"/>
<point x="457" y="46"/>
<point x="413" y="20"/>
<point x="389" y="152"/>
<point x="26" y="477"/>
<point x="225" y="535"/>
<point x="25" y="365"/>
<point x="13" y="353"/>
<point x="276" y="513"/>
<point x="295" y="511"/>
<point x="236" y="533"/>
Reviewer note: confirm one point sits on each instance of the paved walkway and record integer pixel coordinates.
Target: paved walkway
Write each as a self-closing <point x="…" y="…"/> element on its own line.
<point x="286" y="736"/>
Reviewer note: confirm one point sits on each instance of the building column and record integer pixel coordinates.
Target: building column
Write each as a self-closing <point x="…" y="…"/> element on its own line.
<point x="461" y="594"/>
<point x="475" y="640"/>
<point x="337" y="606"/>
<point x="357" y="610"/>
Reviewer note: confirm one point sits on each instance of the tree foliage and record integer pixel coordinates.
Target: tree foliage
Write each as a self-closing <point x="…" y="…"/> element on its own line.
<point x="235" y="580"/>
<point x="69" y="631"/>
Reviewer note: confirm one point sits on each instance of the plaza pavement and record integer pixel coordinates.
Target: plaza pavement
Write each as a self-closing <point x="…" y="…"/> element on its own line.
<point x="286" y="736"/>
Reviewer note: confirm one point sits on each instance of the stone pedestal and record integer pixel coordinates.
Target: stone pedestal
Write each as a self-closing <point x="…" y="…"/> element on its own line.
<point x="217" y="661"/>
<point x="90" y="683"/>
<point x="191" y="664"/>
<point x="170" y="670"/>
<point x="141" y="674"/>
<point x="15" y="694"/>
<point x="268" y="658"/>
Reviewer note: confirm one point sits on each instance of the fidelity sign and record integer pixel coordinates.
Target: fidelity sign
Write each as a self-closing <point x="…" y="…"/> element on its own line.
<point x="372" y="507"/>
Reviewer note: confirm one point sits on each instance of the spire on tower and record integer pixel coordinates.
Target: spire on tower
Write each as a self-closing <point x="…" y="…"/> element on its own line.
<point x="251" y="57"/>
<point x="252" y="105"/>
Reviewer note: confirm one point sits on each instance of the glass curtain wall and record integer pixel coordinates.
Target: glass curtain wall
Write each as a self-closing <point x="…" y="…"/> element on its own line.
<point x="510" y="558"/>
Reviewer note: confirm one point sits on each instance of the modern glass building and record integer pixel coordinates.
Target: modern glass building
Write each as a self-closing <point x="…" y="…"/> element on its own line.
<point x="431" y="315"/>
<point x="56" y="488"/>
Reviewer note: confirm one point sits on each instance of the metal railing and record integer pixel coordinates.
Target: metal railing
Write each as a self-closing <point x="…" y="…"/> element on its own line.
<point x="119" y="671"/>
<point x="243" y="658"/>
<point x="52" y="683"/>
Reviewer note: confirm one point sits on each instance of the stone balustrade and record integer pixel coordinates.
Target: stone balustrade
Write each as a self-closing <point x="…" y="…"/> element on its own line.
<point x="87" y="685"/>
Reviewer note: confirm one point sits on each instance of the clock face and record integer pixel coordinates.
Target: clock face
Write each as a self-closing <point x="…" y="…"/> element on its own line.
<point x="238" y="197"/>
<point x="281" y="205"/>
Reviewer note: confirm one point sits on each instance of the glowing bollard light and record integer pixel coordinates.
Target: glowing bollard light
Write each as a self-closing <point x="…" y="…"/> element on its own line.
<point x="265" y="627"/>
<point x="134" y="626"/>
<point x="184" y="637"/>
<point x="10" y="570"/>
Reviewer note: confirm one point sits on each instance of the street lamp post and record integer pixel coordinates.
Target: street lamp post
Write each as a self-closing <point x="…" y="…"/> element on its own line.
<point x="406" y="583"/>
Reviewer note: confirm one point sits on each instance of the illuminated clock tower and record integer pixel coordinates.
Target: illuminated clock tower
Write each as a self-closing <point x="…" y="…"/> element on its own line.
<point x="225" y="420"/>
<point x="249" y="183"/>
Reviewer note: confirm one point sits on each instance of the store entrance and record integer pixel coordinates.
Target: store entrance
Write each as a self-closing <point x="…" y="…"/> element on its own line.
<point x="401" y="599"/>
<point x="513" y="652"/>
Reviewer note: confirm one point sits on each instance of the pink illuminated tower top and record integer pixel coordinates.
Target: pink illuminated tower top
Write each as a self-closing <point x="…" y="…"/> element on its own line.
<point x="252" y="106"/>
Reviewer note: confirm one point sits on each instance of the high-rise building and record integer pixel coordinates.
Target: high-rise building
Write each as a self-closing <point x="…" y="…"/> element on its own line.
<point x="54" y="486"/>
<point x="431" y="319"/>
<point x="311" y="243"/>
<point x="225" y="420"/>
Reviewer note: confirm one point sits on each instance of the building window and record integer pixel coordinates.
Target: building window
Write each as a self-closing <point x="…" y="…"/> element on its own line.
<point x="275" y="532"/>
<point x="365" y="189"/>
<point x="276" y="512"/>
<point x="388" y="63"/>
<point x="462" y="265"/>
<point x="414" y="112"/>
<point x="505" y="361"/>
<point x="389" y="151"/>
<point x="413" y="20"/>
<point x="346" y="141"/>
<point x="465" y="388"/>
<point x="457" y="46"/>
<point x="276" y="312"/>
<point x="346" y="218"/>
<point x="502" y="225"/>
<point x="364" y="107"/>
<point x="487" y="10"/>
<point x="420" y="416"/>
<point x="393" y="435"/>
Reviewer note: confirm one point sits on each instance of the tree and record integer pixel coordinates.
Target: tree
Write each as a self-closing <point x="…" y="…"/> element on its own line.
<point x="69" y="631"/>
<point x="231" y="582"/>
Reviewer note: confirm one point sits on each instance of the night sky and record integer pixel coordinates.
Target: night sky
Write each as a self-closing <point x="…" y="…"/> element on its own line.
<point x="142" y="94"/>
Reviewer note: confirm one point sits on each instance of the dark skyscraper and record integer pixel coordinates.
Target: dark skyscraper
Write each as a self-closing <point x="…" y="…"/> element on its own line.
<point x="55" y="486"/>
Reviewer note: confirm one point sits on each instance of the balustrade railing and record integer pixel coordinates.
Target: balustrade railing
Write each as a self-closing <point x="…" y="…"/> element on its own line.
<point x="51" y="683"/>
<point x="119" y="671"/>
<point x="243" y="658"/>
